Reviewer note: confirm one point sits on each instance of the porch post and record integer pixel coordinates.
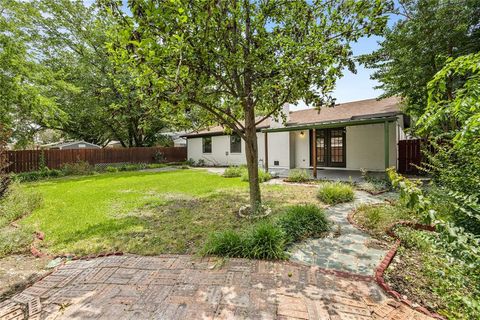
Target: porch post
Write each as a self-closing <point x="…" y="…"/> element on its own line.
<point x="386" y="144"/>
<point x="314" y="152"/>
<point x="266" y="153"/>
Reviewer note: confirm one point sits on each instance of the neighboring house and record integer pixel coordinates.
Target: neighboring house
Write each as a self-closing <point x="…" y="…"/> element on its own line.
<point x="70" y="145"/>
<point x="351" y="136"/>
<point x="114" y="144"/>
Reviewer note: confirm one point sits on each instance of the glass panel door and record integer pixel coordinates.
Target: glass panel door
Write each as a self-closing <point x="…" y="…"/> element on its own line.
<point x="330" y="144"/>
<point x="336" y="147"/>
<point x="321" y="148"/>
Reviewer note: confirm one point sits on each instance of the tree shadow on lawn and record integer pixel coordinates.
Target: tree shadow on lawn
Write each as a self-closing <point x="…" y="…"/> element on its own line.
<point x="174" y="224"/>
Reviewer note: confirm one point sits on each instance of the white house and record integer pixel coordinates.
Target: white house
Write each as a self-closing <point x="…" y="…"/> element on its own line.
<point x="350" y="136"/>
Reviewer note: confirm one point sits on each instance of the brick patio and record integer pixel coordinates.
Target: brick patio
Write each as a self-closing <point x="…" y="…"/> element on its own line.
<point x="184" y="287"/>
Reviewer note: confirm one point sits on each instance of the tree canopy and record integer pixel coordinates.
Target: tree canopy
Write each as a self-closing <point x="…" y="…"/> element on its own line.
<point x="241" y="61"/>
<point x="418" y="45"/>
<point x="73" y="86"/>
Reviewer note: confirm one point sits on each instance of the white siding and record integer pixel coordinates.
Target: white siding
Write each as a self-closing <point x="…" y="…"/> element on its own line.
<point x="279" y="150"/>
<point x="221" y="155"/>
<point x="365" y="147"/>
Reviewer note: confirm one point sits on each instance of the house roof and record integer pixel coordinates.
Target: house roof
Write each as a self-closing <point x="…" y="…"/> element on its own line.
<point x="356" y="110"/>
<point x="60" y="145"/>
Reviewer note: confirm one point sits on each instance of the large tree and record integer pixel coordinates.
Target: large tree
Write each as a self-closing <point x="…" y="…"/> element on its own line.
<point x="417" y="46"/>
<point x="98" y="100"/>
<point x="241" y="61"/>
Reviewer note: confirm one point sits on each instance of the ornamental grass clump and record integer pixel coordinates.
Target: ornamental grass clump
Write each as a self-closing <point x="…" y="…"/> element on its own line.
<point x="264" y="240"/>
<point x="335" y="192"/>
<point x="298" y="175"/>
<point x="303" y="221"/>
<point x="262" y="175"/>
<point x="234" y="171"/>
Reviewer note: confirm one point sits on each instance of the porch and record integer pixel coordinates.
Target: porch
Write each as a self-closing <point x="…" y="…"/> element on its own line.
<point x="334" y="150"/>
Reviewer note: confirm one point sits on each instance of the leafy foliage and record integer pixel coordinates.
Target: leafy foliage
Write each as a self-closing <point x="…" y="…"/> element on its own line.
<point x="418" y="46"/>
<point x="446" y="285"/>
<point x="303" y="221"/>
<point x="234" y="171"/>
<point x="262" y="175"/>
<point x="58" y="75"/>
<point x="335" y="192"/>
<point x="238" y="62"/>
<point x="298" y="175"/>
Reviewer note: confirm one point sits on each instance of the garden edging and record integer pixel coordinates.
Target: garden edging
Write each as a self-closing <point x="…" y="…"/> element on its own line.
<point x="387" y="260"/>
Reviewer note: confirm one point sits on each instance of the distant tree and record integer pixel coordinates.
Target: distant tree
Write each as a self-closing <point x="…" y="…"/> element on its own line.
<point x="24" y="83"/>
<point x="97" y="100"/>
<point x="417" y="47"/>
<point x="241" y="61"/>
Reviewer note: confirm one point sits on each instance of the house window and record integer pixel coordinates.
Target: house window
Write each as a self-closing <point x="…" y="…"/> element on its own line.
<point x="207" y="144"/>
<point x="235" y="144"/>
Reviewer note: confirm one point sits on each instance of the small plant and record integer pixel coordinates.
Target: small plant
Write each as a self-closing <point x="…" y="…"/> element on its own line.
<point x="335" y="192"/>
<point x="77" y="168"/>
<point x="303" y="221"/>
<point x="234" y="171"/>
<point x="17" y="203"/>
<point x="159" y="157"/>
<point x="262" y="175"/>
<point x="298" y="175"/>
<point x="111" y="169"/>
<point x="265" y="240"/>
<point x="226" y="244"/>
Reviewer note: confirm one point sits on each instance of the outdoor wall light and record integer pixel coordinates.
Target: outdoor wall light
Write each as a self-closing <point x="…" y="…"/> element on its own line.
<point x="301" y="133"/>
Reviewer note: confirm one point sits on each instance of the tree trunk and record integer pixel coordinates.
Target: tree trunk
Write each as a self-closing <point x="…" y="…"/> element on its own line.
<point x="251" y="152"/>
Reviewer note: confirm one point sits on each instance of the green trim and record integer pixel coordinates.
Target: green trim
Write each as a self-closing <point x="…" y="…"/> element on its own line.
<point x="333" y="124"/>
<point x="386" y="131"/>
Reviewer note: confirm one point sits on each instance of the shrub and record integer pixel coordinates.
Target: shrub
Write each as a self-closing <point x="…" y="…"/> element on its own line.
<point x="234" y="171"/>
<point x="262" y="175"/>
<point x="303" y="221"/>
<point x="226" y="244"/>
<point x="111" y="169"/>
<point x="14" y="240"/>
<point x="335" y="192"/>
<point x="77" y="168"/>
<point x="17" y="203"/>
<point x="298" y="175"/>
<point x="265" y="240"/>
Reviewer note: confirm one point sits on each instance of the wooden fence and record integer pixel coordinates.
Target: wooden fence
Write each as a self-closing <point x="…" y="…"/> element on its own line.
<point x="409" y="156"/>
<point x="30" y="160"/>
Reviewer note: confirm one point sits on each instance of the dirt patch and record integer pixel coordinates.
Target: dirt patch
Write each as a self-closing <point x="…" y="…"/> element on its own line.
<point x="18" y="272"/>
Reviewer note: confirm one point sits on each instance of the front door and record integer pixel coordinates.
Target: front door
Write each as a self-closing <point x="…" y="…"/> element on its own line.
<point x="330" y="145"/>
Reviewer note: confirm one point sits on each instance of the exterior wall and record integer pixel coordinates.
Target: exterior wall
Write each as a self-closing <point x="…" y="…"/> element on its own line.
<point x="279" y="150"/>
<point x="221" y="155"/>
<point x="365" y="146"/>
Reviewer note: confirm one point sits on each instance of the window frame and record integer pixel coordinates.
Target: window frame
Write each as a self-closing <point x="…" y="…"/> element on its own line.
<point x="234" y="136"/>
<point x="203" y="144"/>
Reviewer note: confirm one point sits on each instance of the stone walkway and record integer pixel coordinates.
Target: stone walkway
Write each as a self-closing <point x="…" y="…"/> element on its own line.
<point x="182" y="287"/>
<point x="352" y="251"/>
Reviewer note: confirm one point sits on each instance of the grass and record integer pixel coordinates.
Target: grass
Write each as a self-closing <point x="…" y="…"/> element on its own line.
<point x="335" y="192"/>
<point x="268" y="239"/>
<point x="146" y="212"/>
<point x="16" y="203"/>
<point x="305" y="221"/>
<point x="377" y="218"/>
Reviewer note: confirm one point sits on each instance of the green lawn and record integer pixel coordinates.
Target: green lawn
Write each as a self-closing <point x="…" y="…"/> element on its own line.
<point x="144" y="212"/>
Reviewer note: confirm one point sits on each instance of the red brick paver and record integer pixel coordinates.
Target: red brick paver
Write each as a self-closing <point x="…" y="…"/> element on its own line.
<point x="183" y="287"/>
